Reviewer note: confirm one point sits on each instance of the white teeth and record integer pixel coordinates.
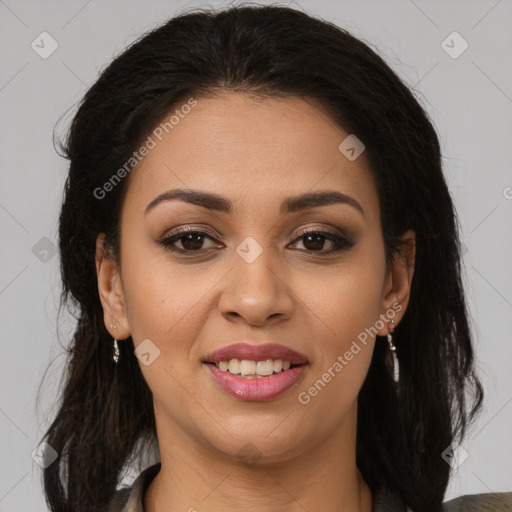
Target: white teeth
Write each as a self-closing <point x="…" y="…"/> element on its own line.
<point x="246" y="367"/>
<point x="265" y="367"/>
<point x="234" y="366"/>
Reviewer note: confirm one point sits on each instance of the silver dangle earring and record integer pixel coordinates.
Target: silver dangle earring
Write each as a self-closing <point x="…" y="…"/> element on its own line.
<point x="115" y="357"/>
<point x="391" y="357"/>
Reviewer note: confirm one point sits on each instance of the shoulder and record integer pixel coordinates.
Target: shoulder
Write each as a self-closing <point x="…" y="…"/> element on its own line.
<point x="131" y="499"/>
<point x="387" y="501"/>
<point x="487" y="502"/>
<point x="119" y="499"/>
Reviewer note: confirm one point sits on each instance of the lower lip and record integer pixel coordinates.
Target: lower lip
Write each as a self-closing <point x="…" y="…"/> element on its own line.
<point x="254" y="389"/>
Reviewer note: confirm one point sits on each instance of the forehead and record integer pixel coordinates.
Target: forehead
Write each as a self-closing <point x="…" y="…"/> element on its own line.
<point x="253" y="150"/>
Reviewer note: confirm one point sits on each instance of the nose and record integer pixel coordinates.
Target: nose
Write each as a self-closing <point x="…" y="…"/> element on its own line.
<point x="256" y="293"/>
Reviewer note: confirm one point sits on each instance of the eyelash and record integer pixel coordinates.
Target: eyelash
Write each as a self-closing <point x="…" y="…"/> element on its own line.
<point x="340" y="242"/>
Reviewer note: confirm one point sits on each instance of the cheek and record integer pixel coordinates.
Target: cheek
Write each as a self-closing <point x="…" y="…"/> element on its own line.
<point x="166" y="304"/>
<point x="345" y="306"/>
<point x="343" y="353"/>
<point x="161" y="296"/>
<point x="345" y="301"/>
<point x="170" y="304"/>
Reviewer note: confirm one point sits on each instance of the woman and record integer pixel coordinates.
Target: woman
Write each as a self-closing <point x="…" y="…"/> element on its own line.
<point x="265" y="256"/>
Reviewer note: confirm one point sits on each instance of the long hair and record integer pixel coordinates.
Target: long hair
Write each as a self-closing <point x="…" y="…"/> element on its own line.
<point x="267" y="51"/>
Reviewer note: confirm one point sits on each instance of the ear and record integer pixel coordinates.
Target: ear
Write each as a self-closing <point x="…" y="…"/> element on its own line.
<point x="397" y="286"/>
<point x="110" y="289"/>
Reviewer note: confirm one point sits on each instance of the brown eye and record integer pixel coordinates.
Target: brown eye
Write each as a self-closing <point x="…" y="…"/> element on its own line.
<point x="191" y="241"/>
<point x="314" y="241"/>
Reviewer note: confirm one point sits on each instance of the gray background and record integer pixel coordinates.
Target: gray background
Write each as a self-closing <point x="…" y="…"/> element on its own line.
<point x="468" y="97"/>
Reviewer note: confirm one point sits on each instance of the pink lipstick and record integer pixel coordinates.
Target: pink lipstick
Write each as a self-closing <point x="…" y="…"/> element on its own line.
<point x="278" y="369"/>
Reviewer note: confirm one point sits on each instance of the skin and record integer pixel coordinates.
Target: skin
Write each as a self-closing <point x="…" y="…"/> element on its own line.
<point x="255" y="152"/>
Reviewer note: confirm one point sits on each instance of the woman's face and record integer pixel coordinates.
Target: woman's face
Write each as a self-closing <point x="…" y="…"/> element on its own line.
<point x="252" y="276"/>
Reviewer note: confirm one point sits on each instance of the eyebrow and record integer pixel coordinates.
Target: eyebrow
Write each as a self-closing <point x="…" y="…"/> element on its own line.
<point x="291" y="204"/>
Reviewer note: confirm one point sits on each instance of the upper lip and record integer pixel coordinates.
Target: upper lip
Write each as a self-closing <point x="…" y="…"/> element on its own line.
<point x="256" y="352"/>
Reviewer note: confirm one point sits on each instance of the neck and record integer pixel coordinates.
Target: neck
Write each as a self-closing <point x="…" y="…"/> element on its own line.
<point x="196" y="477"/>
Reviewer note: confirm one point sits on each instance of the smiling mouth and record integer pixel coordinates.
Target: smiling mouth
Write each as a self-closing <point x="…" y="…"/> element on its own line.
<point x="242" y="379"/>
<point x="249" y="369"/>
